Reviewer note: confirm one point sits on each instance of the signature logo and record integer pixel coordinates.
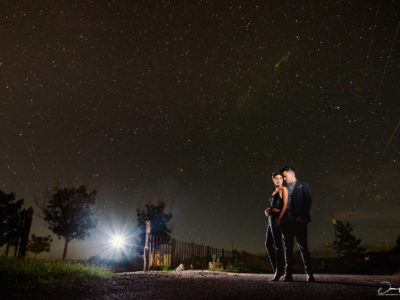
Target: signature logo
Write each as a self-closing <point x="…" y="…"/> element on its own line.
<point x="388" y="290"/>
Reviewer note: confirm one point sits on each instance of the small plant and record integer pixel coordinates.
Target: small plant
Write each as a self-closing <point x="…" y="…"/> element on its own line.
<point x="232" y="268"/>
<point x="215" y="266"/>
<point x="166" y="267"/>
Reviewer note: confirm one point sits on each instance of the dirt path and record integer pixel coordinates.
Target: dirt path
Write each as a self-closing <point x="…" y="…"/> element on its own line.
<point x="216" y="285"/>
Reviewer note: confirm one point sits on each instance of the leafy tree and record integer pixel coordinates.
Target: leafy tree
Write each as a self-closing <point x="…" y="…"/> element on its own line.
<point x="38" y="244"/>
<point x="348" y="245"/>
<point x="159" y="222"/>
<point x="68" y="213"/>
<point x="10" y="214"/>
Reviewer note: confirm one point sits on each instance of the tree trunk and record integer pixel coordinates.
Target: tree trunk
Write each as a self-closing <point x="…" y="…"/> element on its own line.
<point x="65" y="249"/>
<point x="7" y="248"/>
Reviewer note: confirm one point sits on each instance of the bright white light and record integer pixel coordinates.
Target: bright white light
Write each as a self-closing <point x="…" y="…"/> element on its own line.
<point x="118" y="241"/>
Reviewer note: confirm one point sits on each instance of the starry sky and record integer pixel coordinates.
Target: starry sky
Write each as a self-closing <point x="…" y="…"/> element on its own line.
<point x="201" y="101"/>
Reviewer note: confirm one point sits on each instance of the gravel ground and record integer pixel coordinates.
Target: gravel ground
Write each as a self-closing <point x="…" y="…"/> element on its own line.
<point x="213" y="285"/>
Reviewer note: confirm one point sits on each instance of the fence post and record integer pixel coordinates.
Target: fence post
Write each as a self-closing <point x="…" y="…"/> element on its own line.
<point x="153" y="250"/>
<point x="207" y="256"/>
<point x="21" y="222"/>
<point x="192" y="254"/>
<point x="173" y="245"/>
<point x="24" y="234"/>
<point x="146" y="259"/>
<point x="223" y="258"/>
<point x="161" y="251"/>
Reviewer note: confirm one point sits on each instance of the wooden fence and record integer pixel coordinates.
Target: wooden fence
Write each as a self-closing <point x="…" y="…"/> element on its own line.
<point x="172" y="253"/>
<point x="18" y="236"/>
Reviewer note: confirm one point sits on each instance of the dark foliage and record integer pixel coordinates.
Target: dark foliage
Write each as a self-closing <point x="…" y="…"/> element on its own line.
<point x="159" y="222"/>
<point x="348" y="245"/>
<point x="396" y="248"/>
<point x="10" y="216"/>
<point x="38" y="244"/>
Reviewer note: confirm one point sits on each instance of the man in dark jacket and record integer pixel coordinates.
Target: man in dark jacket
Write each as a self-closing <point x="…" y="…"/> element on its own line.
<point x="299" y="204"/>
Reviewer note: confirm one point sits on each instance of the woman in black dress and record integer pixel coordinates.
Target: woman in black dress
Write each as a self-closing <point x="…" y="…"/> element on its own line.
<point x="277" y="212"/>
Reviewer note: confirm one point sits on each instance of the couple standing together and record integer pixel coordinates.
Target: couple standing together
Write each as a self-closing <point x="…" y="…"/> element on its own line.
<point x="288" y="215"/>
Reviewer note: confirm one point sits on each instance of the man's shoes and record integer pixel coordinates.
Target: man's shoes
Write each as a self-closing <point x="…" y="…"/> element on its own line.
<point x="310" y="278"/>
<point x="276" y="276"/>
<point x="287" y="277"/>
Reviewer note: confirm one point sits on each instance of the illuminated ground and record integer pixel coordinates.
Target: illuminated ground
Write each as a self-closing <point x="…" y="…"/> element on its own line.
<point x="216" y="285"/>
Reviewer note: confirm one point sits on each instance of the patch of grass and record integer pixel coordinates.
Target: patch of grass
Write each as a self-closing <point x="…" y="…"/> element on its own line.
<point x="166" y="267"/>
<point x="232" y="268"/>
<point x="30" y="270"/>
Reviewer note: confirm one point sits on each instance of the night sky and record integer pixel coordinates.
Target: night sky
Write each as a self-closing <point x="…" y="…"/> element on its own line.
<point x="201" y="101"/>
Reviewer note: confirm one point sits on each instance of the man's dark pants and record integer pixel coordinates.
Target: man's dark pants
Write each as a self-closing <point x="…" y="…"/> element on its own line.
<point x="291" y="230"/>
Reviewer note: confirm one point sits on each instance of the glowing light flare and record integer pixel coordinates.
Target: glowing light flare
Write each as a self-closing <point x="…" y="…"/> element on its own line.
<point x="118" y="241"/>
